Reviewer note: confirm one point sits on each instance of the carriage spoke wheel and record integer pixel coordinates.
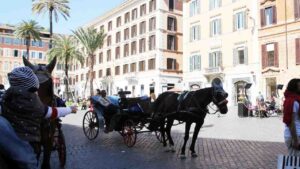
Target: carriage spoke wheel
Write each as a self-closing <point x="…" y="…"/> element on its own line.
<point x="62" y="150"/>
<point x="129" y="133"/>
<point x="90" y="125"/>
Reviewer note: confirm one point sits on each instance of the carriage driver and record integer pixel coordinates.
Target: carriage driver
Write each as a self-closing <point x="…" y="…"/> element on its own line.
<point x="23" y="112"/>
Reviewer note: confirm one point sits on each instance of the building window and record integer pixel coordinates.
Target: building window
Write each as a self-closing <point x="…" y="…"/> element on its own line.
<point x="133" y="48"/>
<point x="40" y="55"/>
<point x="125" y="69"/>
<point x="143" y="10"/>
<point x="108" y="57"/>
<point x="16" y="53"/>
<point x="108" y="40"/>
<point x="152" y="42"/>
<point x="194" y="7"/>
<point x="152" y="5"/>
<point x="171" y="64"/>
<point x="151" y="64"/>
<point x="213" y="4"/>
<point x="171" y="5"/>
<point x="268" y="16"/>
<point x="172" y="25"/>
<point x="117" y="70"/>
<point x="143" y="27"/>
<point x="239" y="21"/>
<point x="126" y="34"/>
<point x="100" y="73"/>
<point x="126" y="50"/>
<point x="133" y="31"/>
<point x="127" y="17"/>
<point x="133" y="67"/>
<point x="171" y="42"/>
<point x="142" y="43"/>
<point x="109" y="27"/>
<point x="108" y="72"/>
<point x="117" y="55"/>
<point x="33" y="55"/>
<point x="215" y="27"/>
<point x="142" y="66"/>
<point x="152" y="24"/>
<point x="297" y="9"/>
<point x="195" y="33"/>
<point x="134" y="14"/>
<point x="118" y="37"/>
<point x="270" y="55"/>
<point x="100" y="57"/>
<point x="240" y="56"/>
<point x="119" y="21"/>
<point x="215" y="59"/>
<point x="195" y="63"/>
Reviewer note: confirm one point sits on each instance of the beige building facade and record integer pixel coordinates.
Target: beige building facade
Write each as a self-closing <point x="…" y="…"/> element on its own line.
<point x="279" y="43"/>
<point x="142" y="52"/>
<point x="220" y="41"/>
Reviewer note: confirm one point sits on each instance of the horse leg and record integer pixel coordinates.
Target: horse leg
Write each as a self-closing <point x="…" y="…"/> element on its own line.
<point x="162" y="131"/>
<point x="168" y="131"/>
<point x="186" y="137"/>
<point x="195" y="136"/>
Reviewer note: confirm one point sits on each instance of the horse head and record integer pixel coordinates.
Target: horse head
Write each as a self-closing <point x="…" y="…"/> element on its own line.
<point x="219" y="96"/>
<point x="43" y="73"/>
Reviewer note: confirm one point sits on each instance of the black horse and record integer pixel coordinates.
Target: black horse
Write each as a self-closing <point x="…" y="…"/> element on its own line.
<point x="46" y="94"/>
<point x="191" y="109"/>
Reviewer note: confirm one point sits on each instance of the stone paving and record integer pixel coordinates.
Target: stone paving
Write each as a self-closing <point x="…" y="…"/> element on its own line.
<point x="226" y="142"/>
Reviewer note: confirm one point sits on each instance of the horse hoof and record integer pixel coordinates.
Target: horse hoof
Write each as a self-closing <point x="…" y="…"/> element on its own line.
<point x="194" y="155"/>
<point x="182" y="156"/>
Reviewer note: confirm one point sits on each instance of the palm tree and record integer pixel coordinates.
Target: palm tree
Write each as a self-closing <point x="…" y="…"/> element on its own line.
<point x="53" y="7"/>
<point x="91" y="40"/>
<point x="66" y="52"/>
<point x="28" y="30"/>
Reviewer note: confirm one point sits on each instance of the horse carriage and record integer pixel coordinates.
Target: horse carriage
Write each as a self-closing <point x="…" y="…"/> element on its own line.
<point x="134" y="116"/>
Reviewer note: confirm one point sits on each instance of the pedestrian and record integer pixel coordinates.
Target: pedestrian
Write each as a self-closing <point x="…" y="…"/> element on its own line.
<point x="25" y="111"/>
<point x="291" y="117"/>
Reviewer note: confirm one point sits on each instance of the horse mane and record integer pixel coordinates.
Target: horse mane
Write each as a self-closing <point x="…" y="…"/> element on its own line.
<point x="159" y="100"/>
<point x="204" y="95"/>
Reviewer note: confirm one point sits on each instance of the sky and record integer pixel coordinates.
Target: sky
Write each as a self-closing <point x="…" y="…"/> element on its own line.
<point x="82" y="12"/>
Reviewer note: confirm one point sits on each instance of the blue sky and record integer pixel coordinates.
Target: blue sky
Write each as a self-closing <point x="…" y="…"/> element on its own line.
<point x="82" y="11"/>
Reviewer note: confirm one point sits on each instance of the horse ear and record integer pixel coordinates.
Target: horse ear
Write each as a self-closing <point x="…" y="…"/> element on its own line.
<point x="27" y="63"/>
<point x="51" y="65"/>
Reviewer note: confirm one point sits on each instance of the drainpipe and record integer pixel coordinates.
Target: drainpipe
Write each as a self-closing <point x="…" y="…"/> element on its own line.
<point x="286" y="37"/>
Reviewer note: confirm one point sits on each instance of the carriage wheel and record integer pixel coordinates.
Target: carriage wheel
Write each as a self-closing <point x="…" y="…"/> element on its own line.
<point x="62" y="150"/>
<point x="129" y="133"/>
<point x="90" y="125"/>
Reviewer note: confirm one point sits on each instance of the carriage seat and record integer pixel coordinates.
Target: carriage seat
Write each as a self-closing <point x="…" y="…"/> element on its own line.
<point x="137" y="105"/>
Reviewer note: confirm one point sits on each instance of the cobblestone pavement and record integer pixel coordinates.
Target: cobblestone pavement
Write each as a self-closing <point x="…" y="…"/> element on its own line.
<point x="220" y="145"/>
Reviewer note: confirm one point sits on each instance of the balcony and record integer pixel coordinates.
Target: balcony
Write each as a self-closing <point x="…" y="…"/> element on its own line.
<point x="213" y="70"/>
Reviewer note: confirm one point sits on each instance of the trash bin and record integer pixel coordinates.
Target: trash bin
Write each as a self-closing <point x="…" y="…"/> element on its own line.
<point x="242" y="110"/>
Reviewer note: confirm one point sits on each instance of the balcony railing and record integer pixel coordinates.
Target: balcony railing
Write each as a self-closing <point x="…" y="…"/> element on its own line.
<point x="213" y="70"/>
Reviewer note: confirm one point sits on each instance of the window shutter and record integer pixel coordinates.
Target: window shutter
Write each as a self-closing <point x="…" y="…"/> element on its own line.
<point x="191" y="8"/>
<point x="191" y="34"/>
<point x="262" y="18"/>
<point x="175" y="24"/>
<point x="191" y="63"/>
<point x="210" y="4"/>
<point x="220" y="3"/>
<point x="264" y="56"/>
<point x="220" y="26"/>
<point x="235" y="57"/>
<point x="298" y="51"/>
<point x="220" y="62"/>
<point x="245" y="20"/>
<point x="210" y="60"/>
<point x="276" y="60"/>
<point x="211" y="28"/>
<point x="274" y="15"/>
<point x="246" y="55"/>
<point x="198" y="62"/>
<point x="198" y="32"/>
<point x="234" y="22"/>
<point x="296" y="8"/>
<point x="198" y="6"/>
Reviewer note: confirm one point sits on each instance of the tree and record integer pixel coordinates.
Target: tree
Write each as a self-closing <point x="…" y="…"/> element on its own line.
<point x="90" y="40"/>
<point x="28" y="31"/>
<point x="66" y="51"/>
<point x="53" y="7"/>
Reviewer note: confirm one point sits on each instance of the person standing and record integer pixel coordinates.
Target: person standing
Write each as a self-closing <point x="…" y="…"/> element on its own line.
<point x="291" y="117"/>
